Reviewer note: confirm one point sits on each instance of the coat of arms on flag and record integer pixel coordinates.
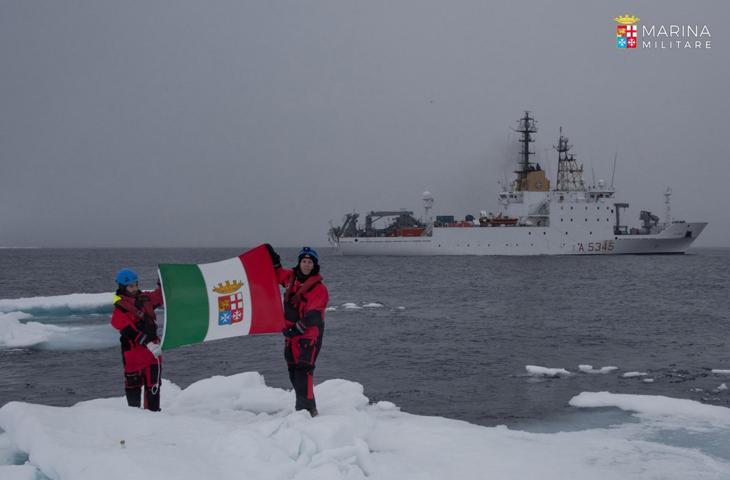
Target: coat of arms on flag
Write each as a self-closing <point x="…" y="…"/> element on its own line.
<point x="230" y="303"/>
<point x="626" y="31"/>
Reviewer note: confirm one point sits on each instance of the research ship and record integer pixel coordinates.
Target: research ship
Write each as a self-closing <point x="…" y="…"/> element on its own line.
<point x="573" y="218"/>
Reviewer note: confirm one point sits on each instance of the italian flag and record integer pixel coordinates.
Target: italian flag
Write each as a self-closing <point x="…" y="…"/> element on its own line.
<point x="232" y="298"/>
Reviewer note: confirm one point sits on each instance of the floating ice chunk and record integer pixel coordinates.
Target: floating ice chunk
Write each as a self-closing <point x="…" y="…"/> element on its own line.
<point x="372" y="305"/>
<point x="590" y="369"/>
<point x="351" y="306"/>
<point x="82" y="302"/>
<point x="330" y="309"/>
<point x="679" y="410"/>
<point x="634" y="374"/>
<point x="401" y="307"/>
<point x="16" y="334"/>
<point x="721" y="372"/>
<point x="538" y="371"/>
<point x="722" y="387"/>
<point x="647" y="380"/>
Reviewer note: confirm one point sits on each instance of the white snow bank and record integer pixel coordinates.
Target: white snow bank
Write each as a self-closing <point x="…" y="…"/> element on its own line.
<point x="16" y="334"/>
<point x="538" y="371"/>
<point x="72" y="302"/>
<point x="237" y="427"/>
<point x="590" y="369"/>
<point x="634" y="374"/>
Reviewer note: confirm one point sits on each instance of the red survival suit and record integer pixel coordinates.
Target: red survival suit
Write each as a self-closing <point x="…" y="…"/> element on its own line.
<point x="305" y="301"/>
<point x="134" y="317"/>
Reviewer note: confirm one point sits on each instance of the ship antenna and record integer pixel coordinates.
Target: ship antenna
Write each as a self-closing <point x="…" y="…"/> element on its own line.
<point x="526" y="127"/>
<point x="613" y="173"/>
<point x="593" y="174"/>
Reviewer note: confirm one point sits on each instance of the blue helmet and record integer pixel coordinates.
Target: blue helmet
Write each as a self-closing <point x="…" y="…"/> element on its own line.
<point x="308" y="252"/>
<point x="126" y="276"/>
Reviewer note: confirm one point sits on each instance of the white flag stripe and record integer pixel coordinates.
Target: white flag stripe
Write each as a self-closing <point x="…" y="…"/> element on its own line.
<point x="220" y="272"/>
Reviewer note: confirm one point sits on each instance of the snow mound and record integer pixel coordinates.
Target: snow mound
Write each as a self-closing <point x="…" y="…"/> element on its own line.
<point x="634" y="374"/>
<point x="237" y="427"/>
<point x="75" y="302"/>
<point x="538" y="371"/>
<point x="590" y="369"/>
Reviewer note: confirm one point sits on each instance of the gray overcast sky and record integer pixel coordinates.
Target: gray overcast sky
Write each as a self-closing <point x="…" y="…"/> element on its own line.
<point x="188" y="123"/>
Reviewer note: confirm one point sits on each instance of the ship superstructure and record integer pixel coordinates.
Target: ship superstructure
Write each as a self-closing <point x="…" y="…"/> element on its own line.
<point x="572" y="218"/>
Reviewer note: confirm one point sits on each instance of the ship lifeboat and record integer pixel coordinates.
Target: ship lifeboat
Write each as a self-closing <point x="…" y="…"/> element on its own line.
<point x="412" y="231"/>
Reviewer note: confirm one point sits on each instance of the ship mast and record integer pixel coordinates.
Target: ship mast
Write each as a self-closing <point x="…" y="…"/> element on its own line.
<point x="570" y="175"/>
<point x="526" y="127"/>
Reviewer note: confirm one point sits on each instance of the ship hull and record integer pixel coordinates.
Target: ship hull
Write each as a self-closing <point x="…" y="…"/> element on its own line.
<point x="525" y="241"/>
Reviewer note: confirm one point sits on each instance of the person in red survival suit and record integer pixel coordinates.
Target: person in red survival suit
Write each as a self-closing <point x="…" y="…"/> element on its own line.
<point x="305" y="301"/>
<point x="134" y="317"/>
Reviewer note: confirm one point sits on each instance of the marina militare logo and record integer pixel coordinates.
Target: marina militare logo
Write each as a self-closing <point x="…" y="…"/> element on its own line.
<point x="673" y="36"/>
<point x="230" y="302"/>
<point x="626" y="31"/>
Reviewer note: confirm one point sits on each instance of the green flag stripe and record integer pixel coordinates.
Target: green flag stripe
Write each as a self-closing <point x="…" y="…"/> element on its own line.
<point x="186" y="305"/>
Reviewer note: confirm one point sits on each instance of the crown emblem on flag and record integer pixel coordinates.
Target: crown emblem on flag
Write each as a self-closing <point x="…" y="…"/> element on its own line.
<point x="228" y="287"/>
<point x="626" y="19"/>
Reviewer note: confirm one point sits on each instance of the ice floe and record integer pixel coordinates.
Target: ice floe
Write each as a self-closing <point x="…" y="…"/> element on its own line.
<point x="634" y="374"/>
<point x="538" y="371"/>
<point x="75" y="302"/>
<point x="237" y="427"/>
<point x="590" y="369"/>
<point x="17" y="334"/>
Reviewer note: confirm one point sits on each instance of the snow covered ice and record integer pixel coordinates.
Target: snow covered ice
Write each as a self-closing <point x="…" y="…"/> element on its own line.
<point x="20" y="325"/>
<point x="590" y="369"/>
<point x="538" y="371"/>
<point x="237" y="427"/>
<point x="79" y="302"/>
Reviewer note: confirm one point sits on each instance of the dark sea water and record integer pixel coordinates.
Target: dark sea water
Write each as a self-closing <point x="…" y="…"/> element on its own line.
<point x="452" y="338"/>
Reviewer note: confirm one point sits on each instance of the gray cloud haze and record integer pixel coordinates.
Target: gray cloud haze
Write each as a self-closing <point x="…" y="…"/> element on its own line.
<point x="231" y="123"/>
